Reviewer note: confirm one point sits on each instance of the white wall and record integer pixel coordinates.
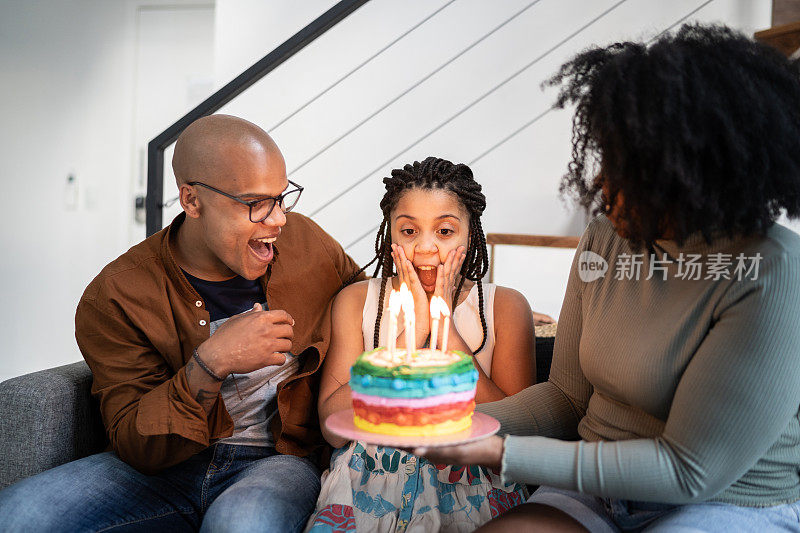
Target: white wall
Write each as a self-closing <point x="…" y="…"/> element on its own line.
<point x="174" y="72"/>
<point x="65" y="93"/>
<point x="67" y="106"/>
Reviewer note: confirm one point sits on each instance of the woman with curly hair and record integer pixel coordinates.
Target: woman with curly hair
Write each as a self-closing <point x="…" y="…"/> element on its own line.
<point x="673" y="398"/>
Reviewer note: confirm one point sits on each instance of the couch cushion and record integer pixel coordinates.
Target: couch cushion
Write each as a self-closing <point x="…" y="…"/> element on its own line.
<point x="47" y="418"/>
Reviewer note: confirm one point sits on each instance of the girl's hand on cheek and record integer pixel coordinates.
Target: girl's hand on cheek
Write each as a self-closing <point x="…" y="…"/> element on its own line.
<point x="407" y="275"/>
<point x="398" y="264"/>
<point x="447" y="275"/>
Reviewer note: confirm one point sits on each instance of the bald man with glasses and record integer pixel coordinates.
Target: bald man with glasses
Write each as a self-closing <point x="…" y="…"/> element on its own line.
<point x="205" y="344"/>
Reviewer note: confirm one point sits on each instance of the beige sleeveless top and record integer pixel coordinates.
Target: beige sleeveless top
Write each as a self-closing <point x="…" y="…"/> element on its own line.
<point x="466" y="319"/>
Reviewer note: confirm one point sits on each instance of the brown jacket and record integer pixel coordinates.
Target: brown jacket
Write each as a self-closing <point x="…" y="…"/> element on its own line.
<point x="139" y="320"/>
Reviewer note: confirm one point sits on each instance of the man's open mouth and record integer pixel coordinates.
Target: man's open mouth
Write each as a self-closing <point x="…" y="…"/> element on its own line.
<point x="262" y="248"/>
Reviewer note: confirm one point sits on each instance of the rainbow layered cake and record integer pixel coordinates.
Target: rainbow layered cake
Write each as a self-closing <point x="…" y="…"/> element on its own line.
<point x="432" y="394"/>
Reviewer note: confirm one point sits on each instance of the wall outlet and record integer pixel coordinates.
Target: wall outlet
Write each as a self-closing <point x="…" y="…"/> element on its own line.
<point x="71" y="197"/>
<point x="139" y="210"/>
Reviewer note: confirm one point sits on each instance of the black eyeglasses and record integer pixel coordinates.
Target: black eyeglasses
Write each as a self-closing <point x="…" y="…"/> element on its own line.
<point x="261" y="208"/>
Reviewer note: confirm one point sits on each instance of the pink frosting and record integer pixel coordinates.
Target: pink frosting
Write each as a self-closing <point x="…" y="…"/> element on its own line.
<point x="450" y="397"/>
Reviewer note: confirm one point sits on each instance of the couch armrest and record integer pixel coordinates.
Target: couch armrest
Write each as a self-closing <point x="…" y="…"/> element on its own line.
<point x="544" y="357"/>
<point x="47" y="418"/>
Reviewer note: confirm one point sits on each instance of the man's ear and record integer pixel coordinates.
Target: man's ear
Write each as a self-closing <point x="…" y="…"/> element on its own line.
<point x="189" y="200"/>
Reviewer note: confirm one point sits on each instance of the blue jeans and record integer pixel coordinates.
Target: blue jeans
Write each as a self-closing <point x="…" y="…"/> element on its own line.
<point x="224" y="488"/>
<point x="609" y="515"/>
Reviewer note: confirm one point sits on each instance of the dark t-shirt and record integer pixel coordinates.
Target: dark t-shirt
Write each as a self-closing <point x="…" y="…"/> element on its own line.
<point x="225" y="299"/>
<point x="249" y="398"/>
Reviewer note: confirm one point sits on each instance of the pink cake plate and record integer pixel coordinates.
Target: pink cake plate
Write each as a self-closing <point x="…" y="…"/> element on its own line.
<point x="342" y="424"/>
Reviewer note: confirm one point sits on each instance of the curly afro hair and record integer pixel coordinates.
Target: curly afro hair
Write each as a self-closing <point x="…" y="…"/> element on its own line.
<point x="698" y="131"/>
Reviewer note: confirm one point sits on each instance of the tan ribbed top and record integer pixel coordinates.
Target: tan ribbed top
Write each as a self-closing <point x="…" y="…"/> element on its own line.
<point x="681" y="389"/>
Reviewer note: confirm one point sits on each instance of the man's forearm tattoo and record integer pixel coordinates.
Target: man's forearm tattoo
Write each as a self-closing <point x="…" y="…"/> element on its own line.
<point x="204" y="396"/>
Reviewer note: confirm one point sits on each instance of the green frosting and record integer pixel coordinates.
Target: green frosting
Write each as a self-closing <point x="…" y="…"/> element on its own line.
<point x="362" y="367"/>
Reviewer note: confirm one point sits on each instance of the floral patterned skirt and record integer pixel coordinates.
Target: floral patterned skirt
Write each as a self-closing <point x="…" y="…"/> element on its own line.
<point x="378" y="488"/>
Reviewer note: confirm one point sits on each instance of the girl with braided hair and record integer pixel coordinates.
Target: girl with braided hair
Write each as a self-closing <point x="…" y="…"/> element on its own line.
<point x="431" y="238"/>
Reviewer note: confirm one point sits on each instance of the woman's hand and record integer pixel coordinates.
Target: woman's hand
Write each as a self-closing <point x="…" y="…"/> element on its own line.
<point x="422" y="311"/>
<point x="540" y="319"/>
<point x="447" y="274"/>
<point x="486" y="452"/>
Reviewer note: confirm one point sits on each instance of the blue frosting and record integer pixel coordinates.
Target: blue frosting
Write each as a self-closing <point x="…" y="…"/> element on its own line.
<point x="405" y="388"/>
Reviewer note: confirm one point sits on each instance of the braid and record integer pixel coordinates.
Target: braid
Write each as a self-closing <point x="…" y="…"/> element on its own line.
<point x="484" y="268"/>
<point x="483" y="316"/>
<point x="377" y="333"/>
<point x="384" y="266"/>
<point x="378" y="244"/>
<point x="382" y="245"/>
<point x="475" y="266"/>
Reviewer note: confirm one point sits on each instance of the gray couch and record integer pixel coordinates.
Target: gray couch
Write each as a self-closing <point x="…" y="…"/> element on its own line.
<point x="47" y="418"/>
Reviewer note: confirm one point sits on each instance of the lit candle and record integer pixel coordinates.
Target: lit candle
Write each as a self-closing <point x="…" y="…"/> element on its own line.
<point x="394" y="310"/>
<point x="445" y="324"/>
<point x="436" y="313"/>
<point x="408" y="317"/>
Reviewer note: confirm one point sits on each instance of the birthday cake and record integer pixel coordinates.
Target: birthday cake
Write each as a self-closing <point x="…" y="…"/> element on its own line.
<point x="431" y="393"/>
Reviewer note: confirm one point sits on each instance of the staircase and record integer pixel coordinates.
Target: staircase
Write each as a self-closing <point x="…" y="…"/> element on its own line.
<point x="384" y="83"/>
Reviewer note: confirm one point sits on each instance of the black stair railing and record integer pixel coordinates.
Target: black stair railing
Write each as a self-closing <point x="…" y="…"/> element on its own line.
<point x="504" y="140"/>
<point x="155" y="148"/>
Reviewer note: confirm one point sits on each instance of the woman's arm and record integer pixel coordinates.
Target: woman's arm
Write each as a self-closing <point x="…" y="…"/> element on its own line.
<point x="735" y="399"/>
<point x="555" y="407"/>
<point x="347" y="342"/>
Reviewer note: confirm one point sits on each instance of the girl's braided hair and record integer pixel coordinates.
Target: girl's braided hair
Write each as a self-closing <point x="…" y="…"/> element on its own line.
<point x="434" y="173"/>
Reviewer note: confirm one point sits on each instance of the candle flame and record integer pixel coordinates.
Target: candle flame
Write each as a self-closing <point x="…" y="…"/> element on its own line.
<point x="395" y="302"/>
<point x="435" y="314"/>
<point x="406" y="301"/>
<point x="439" y="307"/>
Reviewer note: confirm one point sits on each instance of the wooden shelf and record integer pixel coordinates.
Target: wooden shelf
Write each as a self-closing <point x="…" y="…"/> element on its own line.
<point x="785" y="38"/>
<point x="521" y="239"/>
<point x="518" y="239"/>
